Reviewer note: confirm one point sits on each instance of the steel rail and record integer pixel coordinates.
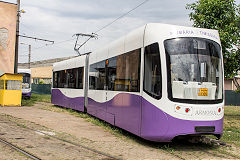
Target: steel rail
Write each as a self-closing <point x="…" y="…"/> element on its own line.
<point x="19" y="149"/>
<point x="78" y="145"/>
<point x="72" y="143"/>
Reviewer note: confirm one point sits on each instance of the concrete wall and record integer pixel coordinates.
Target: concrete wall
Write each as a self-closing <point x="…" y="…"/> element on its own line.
<point x="8" y="14"/>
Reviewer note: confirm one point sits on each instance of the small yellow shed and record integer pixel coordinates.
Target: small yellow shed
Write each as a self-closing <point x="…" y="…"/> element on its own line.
<point x="11" y="89"/>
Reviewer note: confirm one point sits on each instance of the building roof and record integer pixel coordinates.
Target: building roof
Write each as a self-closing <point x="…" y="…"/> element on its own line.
<point x="43" y="63"/>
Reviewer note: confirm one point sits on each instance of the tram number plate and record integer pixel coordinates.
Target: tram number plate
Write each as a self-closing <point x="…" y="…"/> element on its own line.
<point x="202" y="92"/>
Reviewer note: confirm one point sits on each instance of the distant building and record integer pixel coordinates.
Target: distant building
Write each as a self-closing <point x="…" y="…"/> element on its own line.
<point x="42" y="70"/>
<point x="229" y="84"/>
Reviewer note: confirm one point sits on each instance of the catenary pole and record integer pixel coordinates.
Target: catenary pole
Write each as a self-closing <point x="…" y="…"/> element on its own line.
<point x="17" y="38"/>
<point x="29" y="56"/>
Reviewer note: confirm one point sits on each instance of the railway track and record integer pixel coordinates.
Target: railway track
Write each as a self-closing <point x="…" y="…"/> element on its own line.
<point x="29" y="155"/>
<point x="106" y="155"/>
<point x="174" y="151"/>
<point x="79" y="145"/>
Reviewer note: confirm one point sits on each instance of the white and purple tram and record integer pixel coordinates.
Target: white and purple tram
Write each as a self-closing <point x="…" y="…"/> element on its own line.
<point x="158" y="82"/>
<point x="26" y="84"/>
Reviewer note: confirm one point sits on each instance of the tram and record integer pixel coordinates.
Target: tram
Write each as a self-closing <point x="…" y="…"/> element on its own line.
<point x="158" y="82"/>
<point x="26" y="84"/>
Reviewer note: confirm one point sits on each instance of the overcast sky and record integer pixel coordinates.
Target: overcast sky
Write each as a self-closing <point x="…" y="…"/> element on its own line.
<point x="58" y="20"/>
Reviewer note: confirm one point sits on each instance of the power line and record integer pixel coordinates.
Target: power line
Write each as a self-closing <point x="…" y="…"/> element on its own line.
<point x="94" y="33"/>
<point x="47" y="45"/>
<point x="25" y="26"/>
<point x="122" y="16"/>
<point x="39" y="39"/>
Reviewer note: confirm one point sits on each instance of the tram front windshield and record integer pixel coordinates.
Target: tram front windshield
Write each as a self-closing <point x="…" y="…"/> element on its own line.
<point x="26" y="81"/>
<point x="194" y="68"/>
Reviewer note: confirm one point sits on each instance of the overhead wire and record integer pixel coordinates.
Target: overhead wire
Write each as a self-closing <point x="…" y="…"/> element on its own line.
<point x="123" y="15"/>
<point x="107" y="25"/>
<point x="99" y="30"/>
<point x="46" y="45"/>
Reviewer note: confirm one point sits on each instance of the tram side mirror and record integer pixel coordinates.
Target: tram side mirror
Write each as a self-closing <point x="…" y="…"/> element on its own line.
<point x="203" y="70"/>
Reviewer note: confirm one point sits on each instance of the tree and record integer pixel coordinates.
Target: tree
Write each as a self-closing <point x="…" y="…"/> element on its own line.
<point x="224" y="16"/>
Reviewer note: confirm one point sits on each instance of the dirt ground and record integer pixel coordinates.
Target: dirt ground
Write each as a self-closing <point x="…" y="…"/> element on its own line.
<point x="78" y="130"/>
<point x="7" y="153"/>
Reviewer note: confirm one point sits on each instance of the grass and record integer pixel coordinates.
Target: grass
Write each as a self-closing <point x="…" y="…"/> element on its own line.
<point x="36" y="98"/>
<point x="114" y="130"/>
<point x="231" y="132"/>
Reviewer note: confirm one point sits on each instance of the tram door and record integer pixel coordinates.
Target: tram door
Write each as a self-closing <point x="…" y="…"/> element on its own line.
<point x="97" y="90"/>
<point x="123" y="92"/>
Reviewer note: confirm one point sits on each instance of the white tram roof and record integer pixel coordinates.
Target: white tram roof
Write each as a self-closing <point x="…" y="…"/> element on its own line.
<point x="143" y="36"/>
<point x="24" y="71"/>
<point x="70" y="63"/>
<point x="148" y="34"/>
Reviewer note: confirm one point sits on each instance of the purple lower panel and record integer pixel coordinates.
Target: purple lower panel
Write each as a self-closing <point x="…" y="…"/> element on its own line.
<point x="159" y="126"/>
<point x="58" y="98"/>
<point x="124" y="111"/>
<point x="97" y="109"/>
<point x="28" y="94"/>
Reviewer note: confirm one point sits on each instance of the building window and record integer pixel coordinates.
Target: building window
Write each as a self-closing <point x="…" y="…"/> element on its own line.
<point x="1" y="84"/>
<point x="13" y="85"/>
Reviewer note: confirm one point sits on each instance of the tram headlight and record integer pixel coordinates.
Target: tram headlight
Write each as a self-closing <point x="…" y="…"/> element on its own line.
<point x="220" y="110"/>
<point x="187" y="110"/>
<point x="183" y="110"/>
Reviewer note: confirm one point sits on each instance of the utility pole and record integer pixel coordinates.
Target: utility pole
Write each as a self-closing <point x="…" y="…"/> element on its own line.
<point x="17" y="38"/>
<point x="30" y="47"/>
<point x="29" y="56"/>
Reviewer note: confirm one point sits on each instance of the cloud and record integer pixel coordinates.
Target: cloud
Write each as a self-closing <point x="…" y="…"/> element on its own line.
<point x="58" y="20"/>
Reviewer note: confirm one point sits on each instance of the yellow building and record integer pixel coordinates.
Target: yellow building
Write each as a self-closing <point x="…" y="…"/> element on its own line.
<point x="42" y="74"/>
<point x="11" y="89"/>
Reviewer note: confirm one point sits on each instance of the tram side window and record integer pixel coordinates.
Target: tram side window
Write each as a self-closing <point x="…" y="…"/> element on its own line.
<point x="152" y="71"/>
<point x="55" y="79"/>
<point x="112" y="72"/>
<point x="124" y="72"/>
<point x="72" y="78"/>
<point x="79" y="82"/>
<point x="63" y="79"/>
<point x="97" y="76"/>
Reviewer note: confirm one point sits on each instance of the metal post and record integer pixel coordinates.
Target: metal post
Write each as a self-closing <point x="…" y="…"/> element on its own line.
<point x="17" y="38"/>
<point x="29" y="56"/>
